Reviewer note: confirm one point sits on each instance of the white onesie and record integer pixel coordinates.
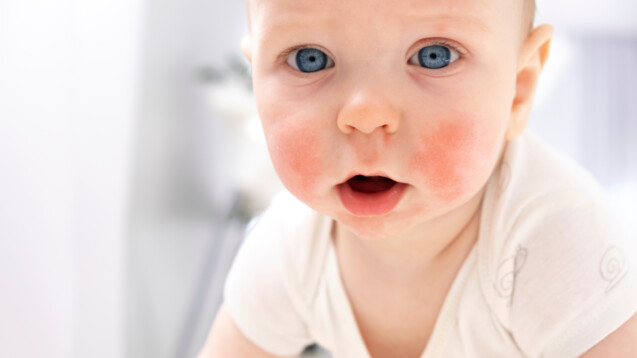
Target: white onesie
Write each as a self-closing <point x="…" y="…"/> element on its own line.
<point x="550" y="275"/>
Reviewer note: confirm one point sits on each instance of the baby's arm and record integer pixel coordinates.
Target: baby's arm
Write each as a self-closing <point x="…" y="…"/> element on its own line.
<point x="225" y="340"/>
<point x="621" y="343"/>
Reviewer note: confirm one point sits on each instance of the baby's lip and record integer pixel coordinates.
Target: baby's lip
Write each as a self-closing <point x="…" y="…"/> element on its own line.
<point x="370" y="195"/>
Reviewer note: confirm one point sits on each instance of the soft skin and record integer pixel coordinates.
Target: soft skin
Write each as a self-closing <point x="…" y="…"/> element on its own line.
<point x="374" y="111"/>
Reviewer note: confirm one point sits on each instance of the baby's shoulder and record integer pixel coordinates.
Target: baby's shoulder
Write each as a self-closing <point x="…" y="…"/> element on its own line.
<point x="274" y="275"/>
<point x="553" y="257"/>
<point x="540" y="198"/>
<point x="298" y="239"/>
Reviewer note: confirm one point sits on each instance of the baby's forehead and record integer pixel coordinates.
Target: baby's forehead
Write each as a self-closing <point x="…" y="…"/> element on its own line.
<point x="308" y="6"/>
<point x="311" y="7"/>
<point x="487" y="12"/>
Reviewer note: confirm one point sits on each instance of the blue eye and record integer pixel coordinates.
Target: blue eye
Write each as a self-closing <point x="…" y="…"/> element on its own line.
<point x="435" y="56"/>
<point x="309" y="60"/>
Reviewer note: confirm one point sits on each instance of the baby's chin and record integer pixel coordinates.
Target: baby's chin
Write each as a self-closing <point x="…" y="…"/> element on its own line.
<point x="374" y="227"/>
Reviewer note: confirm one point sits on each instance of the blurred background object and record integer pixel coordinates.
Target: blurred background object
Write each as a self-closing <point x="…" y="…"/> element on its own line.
<point x="131" y="160"/>
<point x="69" y="75"/>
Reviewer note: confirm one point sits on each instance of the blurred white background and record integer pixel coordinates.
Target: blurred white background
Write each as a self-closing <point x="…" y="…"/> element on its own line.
<point x="130" y="160"/>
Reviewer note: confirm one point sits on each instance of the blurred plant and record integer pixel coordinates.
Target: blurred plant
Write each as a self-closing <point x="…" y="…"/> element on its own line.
<point x="231" y="98"/>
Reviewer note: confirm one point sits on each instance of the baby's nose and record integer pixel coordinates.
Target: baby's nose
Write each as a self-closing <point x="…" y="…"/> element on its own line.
<point x="365" y="112"/>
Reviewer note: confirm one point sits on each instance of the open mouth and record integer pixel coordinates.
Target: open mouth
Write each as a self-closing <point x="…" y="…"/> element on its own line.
<point x="369" y="185"/>
<point x="370" y="195"/>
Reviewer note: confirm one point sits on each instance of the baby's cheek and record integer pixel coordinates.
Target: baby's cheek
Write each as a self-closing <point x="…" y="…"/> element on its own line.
<point x="455" y="157"/>
<point x="295" y="154"/>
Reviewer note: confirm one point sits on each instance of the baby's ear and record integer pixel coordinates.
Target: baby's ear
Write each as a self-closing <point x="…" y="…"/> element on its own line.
<point x="246" y="47"/>
<point x="533" y="56"/>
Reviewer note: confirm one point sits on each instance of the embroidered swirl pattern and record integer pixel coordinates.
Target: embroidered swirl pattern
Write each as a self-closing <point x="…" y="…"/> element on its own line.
<point x="613" y="267"/>
<point x="508" y="270"/>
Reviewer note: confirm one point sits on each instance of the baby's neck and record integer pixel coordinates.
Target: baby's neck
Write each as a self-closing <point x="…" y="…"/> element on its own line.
<point x="419" y="254"/>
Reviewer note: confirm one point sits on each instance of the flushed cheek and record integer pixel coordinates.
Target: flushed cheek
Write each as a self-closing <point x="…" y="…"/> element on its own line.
<point x="455" y="158"/>
<point x="295" y="154"/>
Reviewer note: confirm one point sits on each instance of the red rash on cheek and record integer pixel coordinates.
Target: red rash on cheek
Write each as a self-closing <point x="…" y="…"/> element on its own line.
<point x="447" y="158"/>
<point x="294" y="152"/>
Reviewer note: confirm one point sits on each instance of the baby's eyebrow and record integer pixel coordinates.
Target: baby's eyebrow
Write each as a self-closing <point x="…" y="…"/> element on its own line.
<point x="454" y="20"/>
<point x="283" y="23"/>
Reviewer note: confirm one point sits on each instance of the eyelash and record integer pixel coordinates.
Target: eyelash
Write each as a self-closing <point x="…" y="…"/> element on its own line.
<point x="288" y="52"/>
<point x="439" y="42"/>
<point x="445" y="43"/>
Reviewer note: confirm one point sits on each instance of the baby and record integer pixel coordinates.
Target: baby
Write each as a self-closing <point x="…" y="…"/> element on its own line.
<point x="420" y="219"/>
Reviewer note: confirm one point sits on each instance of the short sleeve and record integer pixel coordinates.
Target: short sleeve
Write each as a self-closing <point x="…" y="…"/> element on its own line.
<point x="575" y="278"/>
<point x="265" y="306"/>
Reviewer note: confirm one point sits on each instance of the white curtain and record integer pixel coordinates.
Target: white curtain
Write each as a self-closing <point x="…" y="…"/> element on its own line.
<point x="608" y="123"/>
<point x="608" y="127"/>
<point x="68" y="73"/>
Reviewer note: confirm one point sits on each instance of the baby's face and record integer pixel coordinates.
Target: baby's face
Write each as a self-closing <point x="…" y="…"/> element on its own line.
<point x="385" y="114"/>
